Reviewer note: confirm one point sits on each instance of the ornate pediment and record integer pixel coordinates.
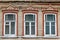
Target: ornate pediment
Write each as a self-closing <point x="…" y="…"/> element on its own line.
<point x="50" y="7"/>
<point x="30" y="7"/>
<point x="10" y="7"/>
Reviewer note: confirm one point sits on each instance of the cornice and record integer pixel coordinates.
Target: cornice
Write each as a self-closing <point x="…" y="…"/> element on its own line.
<point x="30" y="1"/>
<point x="10" y="7"/>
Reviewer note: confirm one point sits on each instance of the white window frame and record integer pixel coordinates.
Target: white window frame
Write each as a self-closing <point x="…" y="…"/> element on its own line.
<point x="50" y="26"/>
<point x="30" y="25"/>
<point x="10" y="35"/>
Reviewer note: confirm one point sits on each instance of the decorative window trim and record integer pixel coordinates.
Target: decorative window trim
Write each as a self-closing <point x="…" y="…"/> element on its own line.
<point x="9" y="25"/>
<point x="30" y="11"/>
<point x="30" y="24"/>
<point x="10" y="11"/>
<point x="47" y="11"/>
<point x="50" y="26"/>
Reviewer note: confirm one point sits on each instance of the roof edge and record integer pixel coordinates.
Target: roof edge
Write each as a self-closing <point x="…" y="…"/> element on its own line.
<point x="30" y="1"/>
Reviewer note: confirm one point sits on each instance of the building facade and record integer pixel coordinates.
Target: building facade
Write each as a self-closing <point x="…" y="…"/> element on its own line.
<point x="30" y="20"/>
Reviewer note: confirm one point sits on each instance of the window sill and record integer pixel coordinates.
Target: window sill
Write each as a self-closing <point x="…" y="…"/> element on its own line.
<point x="45" y="37"/>
<point x="49" y="37"/>
<point x="9" y="37"/>
<point x="29" y="37"/>
<point x="34" y="37"/>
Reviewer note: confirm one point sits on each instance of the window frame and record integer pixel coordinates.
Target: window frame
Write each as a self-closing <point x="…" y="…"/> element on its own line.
<point x="50" y="25"/>
<point x="12" y="35"/>
<point x="30" y="24"/>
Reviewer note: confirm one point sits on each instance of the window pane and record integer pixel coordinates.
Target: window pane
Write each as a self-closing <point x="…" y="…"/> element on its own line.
<point x="12" y="27"/>
<point x="9" y="17"/>
<point x="27" y="30"/>
<point x="47" y="23"/>
<point x="32" y="30"/>
<point x="47" y="30"/>
<point x="32" y="23"/>
<point x="33" y="17"/>
<point x="6" y="29"/>
<point x="29" y="17"/>
<point x="52" y="29"/>
<point x="45" y="17"/>
<point x="27" y="23"/>
<point x="50" y="17"/>
<point x="53" y="23"/>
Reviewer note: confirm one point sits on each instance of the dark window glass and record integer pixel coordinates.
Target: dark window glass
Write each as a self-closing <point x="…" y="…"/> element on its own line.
<point x="9" y="17"/>
<point x="12" y="27"/>
<point x="32" y="30"/>
<point x="47" y="28"/>
<point x="52" y="27"/>
<point x="6" y="29"/>
<point x="50" y="17"/>
<point x="27" y="28"/>
<point x="29" y="17"/>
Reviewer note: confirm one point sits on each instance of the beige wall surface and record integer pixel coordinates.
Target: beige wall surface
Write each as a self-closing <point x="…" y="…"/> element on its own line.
<point x="0" y="22"/>
<point x="20" y="23"/>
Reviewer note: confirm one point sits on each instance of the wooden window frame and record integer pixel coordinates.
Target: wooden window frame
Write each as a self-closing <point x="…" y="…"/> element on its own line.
<point x="10" y="11"/>
<point x="30" y="11"/>
<point x="50" y="25"/>
<point x="29" y="24"/>
<point x="47" y="12"/>
<point x="10" y="25"/>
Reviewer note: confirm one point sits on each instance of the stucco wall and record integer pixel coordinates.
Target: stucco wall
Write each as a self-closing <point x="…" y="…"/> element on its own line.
<point x="20" y="23"/>
<point x="0" y="22"/>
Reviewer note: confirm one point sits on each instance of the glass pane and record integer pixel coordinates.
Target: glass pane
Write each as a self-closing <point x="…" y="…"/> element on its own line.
<point x="53" y="23"/>
<point x="45" y="17"/>
<point x="29" y="17"/>
<point x="47" y="30"/>
<point x="27" y="23"/>
<point x="50" y="17"/>
<point x="47" y="23"/>
<point x="9" y="17"/>
<point x="12" y="27"/>
<point x="27" y="30"/>
<point x="32" y="30"/>
<point x="32" y="23"/>
<point x="6" y="29"/>
<point x="52" y="29"/>
<point x="33" y="17"/>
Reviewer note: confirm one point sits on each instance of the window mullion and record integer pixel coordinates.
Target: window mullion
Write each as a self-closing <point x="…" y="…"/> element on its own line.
<point x="30" y="27"/>
<point x="50" y="28"/>
<point x="10" y="27"/>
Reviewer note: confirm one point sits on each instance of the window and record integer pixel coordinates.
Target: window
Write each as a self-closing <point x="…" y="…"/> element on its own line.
<point x="50" y="24"/>
<point x="10" y="24"/>
<point x="29" y="24"/>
